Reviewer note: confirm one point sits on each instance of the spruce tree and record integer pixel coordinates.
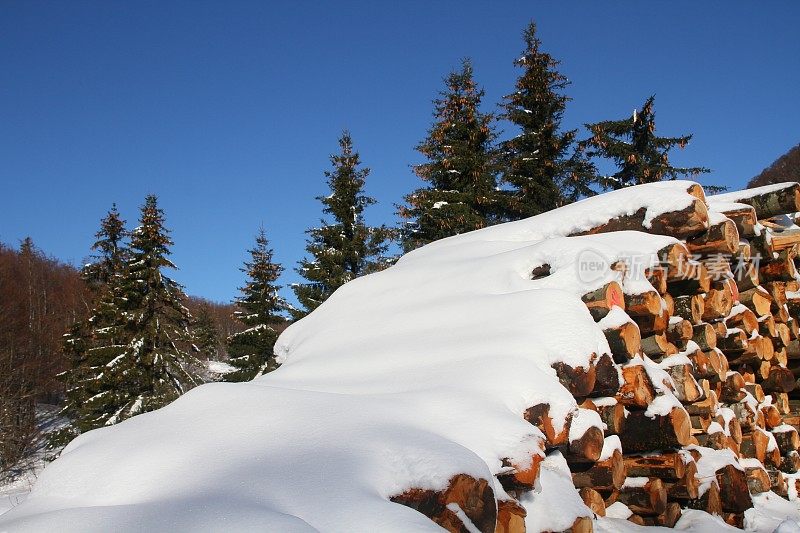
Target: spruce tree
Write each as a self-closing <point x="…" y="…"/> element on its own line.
<point x="157" y="365"/>
<point x="133" y="356"/>
<point x="260" y="308"/>
<point x="541" y="165"/>
<point x="632" y="144"/>
<point x="460" y="171"/>
<point x="205" y="333"/>
<point x="91" y="344"/>
<point x="110" y="248"/>
<point x="344" y="247"/>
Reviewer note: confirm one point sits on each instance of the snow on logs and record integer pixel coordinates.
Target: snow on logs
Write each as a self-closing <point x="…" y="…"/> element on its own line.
<point x="464" y="497"/>
<point x="686" y="406"/>
<point x="702" y="365"/>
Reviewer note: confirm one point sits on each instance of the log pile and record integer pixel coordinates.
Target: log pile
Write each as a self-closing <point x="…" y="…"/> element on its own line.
<point x="702" y="366"/>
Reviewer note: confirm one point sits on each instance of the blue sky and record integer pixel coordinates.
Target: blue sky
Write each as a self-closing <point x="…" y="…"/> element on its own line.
<point x="228" y="111"/>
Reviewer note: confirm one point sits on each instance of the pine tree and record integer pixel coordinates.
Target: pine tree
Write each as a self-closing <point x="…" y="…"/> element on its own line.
<point x="640" y="155"/>
<point x="156" y="366"/>
<point x="205" y="333"/>
<point x="110" y="248"/>
<point x="345" y="247"/>
<point x="541" y="165"/>
<point x="460" y="171"/>
<point x="133" y="354"/>
<point x="91" y="344"/>
<point x="260" y="308"/>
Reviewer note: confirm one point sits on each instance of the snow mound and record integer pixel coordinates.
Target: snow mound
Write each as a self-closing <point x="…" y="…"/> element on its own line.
<point x="402" y="379"/>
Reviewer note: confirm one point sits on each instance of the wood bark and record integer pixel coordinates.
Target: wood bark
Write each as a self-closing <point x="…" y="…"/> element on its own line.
<point x="647" y="500"/>
<point x="720" y="238"/>
<point x="625" y="341"/>
<point x="600" y="301"/>
<point x="689" y="307"/>
<point x="636" y="390"/>
<point x="775" y="202"/>
<point x="643" y="433"/>
<point x="474" y="496"/>
<point x="688" y="222"/>
<point x="606" y="475"/>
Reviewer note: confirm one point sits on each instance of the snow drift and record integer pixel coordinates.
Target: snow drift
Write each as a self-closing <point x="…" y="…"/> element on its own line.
<point x="401" y="380"/>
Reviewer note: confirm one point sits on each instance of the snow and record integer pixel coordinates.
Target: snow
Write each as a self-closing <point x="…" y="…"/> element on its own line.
<point x="614" y="319"/>
<point x="635" y="482"/>
<point x="402" y="379"/>
<point x="737" y="196"/>
<point x="710" y="461"/>
<point x="557" y="492"/>
<point x="582" y="420"/>
<point x="693" y="520"/>
<point x="715" y="217"/>
<point x="723" y="206"/>
<point x="618" y="510"/>
<point x="220" y="367"/>
<point x="771" y="513"/>
<point x="610" y="445"/>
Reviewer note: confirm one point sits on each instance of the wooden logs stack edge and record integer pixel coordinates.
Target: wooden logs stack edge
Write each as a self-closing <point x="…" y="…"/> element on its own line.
<point x="706" y="360"/>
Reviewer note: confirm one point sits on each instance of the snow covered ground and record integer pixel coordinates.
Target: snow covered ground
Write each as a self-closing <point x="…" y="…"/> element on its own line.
<point x="401" y="379"/>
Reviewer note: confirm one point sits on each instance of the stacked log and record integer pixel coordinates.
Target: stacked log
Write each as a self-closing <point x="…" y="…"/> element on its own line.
<point x="707" y="364"/>
<point x="702" y="363"/>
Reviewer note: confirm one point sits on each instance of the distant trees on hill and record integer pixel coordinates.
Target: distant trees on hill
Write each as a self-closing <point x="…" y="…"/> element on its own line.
<point x="785" y="168"/>
<point x="40" y="298"/>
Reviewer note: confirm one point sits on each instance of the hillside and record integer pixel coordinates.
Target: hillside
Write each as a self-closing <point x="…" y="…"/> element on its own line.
<point x="785" y="168"/>
<point x="541" y="375"/>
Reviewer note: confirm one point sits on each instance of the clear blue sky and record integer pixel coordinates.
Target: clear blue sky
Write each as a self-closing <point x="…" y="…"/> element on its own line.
<point x="229" y="110"/>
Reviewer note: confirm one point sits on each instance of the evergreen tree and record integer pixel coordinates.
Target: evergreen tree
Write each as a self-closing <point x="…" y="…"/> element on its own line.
<point x="205" y="333"/>
<point x="90" y="345"/>
<point x="640" y="155"/>
<point x="156" y="366"/>
<point x="260" y="309"/>
<point x="110" y="248"/>
<point x="460" y="170"/>
<point x="541" y="165"/>
<point x="344" y="247"/>
<point x="133" y="354"/>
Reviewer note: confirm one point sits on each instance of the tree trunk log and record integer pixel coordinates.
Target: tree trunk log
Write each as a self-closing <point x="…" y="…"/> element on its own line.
<point x="600" y="301"/>
<point x="604" y="476"/>
<point x="689" y="307"/>
<point x="636" y="389"/>
<point x="625" y="341"/>
<point x="642" y="433"/>
<point x="720" y="238"/>
<point x="474" y="496"/>
<point x="769" y="203"/>
<point x="733" y="491"/>
<point x="688" y="222"/>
